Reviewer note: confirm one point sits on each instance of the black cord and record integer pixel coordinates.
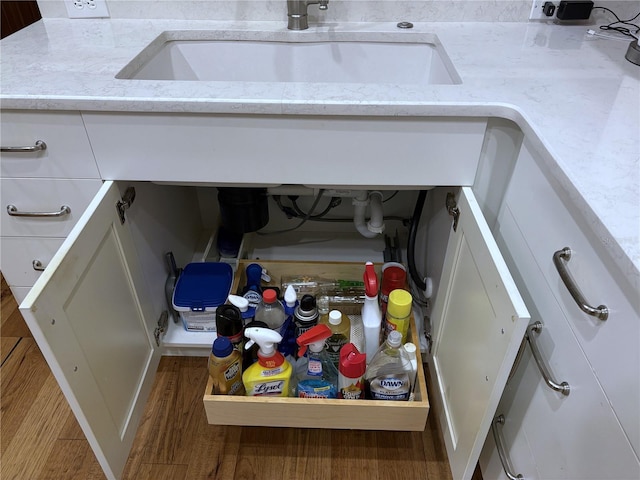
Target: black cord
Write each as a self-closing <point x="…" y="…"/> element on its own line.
<point x="619" y="28"/>
<point x="334" y="202"/>
<point x="411" y="247"/>
<point x="304" y="220"/>
<point x="392" y="195"/>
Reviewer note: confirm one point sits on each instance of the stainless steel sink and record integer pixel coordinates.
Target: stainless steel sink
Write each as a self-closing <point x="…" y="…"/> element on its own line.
<point x="284" y="57"/>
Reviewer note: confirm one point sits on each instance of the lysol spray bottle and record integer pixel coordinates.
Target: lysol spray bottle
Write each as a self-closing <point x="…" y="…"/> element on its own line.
<point x="271" y="374"/>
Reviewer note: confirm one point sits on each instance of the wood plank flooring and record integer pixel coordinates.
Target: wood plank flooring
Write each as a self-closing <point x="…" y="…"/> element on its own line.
<point x="40" y="438"/>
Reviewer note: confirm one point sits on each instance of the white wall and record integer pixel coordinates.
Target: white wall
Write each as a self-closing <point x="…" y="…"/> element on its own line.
<point x="339" y="10"/>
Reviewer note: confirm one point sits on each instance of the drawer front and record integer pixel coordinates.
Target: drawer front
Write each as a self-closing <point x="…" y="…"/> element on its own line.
<point x="68" y="153"/>
<point x="560" y="432"/>
<point x="18" y="255"/>
<point x="48" y="196"/>
<point x="312" y="413"/>
<point x="243" y="148"/>
<point x="612" y="346"/>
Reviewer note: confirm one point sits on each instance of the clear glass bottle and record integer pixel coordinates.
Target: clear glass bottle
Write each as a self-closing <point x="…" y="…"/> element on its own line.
<point x="388" y="375"/>
<point x="270" y="310"/>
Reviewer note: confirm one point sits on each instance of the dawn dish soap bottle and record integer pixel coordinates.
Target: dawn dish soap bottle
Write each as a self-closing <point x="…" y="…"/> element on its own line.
<point x="319" y="378"/>
<point x="388" y="374"/>
<point x="271" y="374"/>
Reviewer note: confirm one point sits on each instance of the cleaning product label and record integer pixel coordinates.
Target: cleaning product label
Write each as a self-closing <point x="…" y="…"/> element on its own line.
<point x="314" y="367"/>
<point x="352" y="391"/>
<point x="333" y="345"/>
<point x="253" y="297"/>
<point x="316" y="389"/>
<point x="390" y="387"/>
<point x="275" y="388"/>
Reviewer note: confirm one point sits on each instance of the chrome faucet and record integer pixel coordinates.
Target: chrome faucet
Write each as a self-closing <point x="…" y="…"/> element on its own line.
<point x="297" y="12"/>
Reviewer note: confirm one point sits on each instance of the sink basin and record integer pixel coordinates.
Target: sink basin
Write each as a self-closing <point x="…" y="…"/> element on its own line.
<point x="282" y="57"/>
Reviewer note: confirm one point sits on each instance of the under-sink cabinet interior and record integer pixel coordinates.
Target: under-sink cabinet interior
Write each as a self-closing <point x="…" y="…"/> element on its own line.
<point x="155" y="181"/>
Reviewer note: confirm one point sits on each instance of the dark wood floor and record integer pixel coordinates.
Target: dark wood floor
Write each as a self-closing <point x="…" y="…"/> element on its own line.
<point x="40" y="438"/>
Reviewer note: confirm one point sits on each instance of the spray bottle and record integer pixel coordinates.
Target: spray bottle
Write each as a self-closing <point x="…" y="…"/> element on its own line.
<point x="320" y="377"/>
<point x="371" y="314"/>
<point x="243" y="305"/>
<point x="270" y="375"/>
<point x="288" y="345"/>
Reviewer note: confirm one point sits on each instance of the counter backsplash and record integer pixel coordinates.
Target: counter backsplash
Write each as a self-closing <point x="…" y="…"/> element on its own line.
<point x="339" y="10"/>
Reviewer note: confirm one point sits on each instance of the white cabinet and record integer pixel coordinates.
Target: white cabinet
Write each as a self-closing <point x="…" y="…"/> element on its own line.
<point x="102" y="293"/>
<point x="44" y="191"/>
<point x="592" y="433"/>
<point x="96" y="283"/>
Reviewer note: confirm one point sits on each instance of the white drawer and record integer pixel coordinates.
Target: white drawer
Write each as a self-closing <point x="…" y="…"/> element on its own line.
<point x="68" y="153"/>
<point x="612" y="346"/>
<point x="218" y="148"/>
<point x="44" y="195"/>
<point x="564" y="434"/>
<point x="18" y="255"/>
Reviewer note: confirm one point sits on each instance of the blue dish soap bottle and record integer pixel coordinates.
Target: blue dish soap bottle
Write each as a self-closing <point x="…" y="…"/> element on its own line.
<point x="319" y="377"/>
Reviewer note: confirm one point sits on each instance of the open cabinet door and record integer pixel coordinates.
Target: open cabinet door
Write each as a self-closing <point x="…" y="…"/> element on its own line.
<point x="90" y="315"/>
<point x="478" y="322"/>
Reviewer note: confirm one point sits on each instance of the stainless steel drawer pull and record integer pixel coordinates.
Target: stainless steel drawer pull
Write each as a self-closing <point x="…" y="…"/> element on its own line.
<point x="14" y="212"/>
<point x="560" y="258"/>
<point x="38" y="147"/>
<point x="502" y="451"/>
<point x="563" y="387"/>
<point x="37" y="266"/>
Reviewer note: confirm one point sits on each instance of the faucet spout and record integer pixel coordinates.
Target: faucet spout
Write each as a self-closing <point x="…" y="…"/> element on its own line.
<point x="297" y="12"/>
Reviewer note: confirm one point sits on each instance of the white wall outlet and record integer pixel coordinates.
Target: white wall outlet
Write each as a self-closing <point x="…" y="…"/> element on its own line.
<point x="87" y="8"/>
<point x="536" y="10"/>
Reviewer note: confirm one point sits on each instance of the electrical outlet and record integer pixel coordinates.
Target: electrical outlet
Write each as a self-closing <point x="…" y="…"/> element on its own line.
<point x="87" y="8"/>
<point x="537" y="12"/>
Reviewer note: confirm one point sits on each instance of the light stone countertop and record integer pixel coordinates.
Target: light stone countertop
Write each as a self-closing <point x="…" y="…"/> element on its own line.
<point x="573" y="95"/>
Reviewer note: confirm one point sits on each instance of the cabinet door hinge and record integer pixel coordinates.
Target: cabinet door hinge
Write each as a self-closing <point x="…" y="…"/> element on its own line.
<point x="163" y="324"/>
<point x="125" y="202"/>
<point x="452" y="208"/>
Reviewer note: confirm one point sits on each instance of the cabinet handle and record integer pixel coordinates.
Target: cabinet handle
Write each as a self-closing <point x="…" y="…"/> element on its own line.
<point x="38" y="147"/>
<point x="563" y="387"/>
<point x="502" y="451"/>
<point x="560" y="258"/>
<point x="37" y="266"/>
<point x="14" y="212"/>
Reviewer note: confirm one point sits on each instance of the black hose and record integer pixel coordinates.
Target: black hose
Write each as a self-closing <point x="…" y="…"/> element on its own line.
<point x="413" y="229"/>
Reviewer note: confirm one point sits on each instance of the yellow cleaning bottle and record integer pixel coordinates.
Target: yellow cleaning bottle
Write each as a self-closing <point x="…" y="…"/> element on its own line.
<point x="270" y="375"/>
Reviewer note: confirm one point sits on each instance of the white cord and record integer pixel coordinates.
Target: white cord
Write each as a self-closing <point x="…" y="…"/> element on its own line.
<point x="593" y="33"/>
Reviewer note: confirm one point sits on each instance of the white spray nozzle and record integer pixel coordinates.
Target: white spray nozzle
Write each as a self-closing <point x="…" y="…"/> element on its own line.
<point x="290" y="296"/>
<point x="264" y="337"/>
<point x="240" y="302"/>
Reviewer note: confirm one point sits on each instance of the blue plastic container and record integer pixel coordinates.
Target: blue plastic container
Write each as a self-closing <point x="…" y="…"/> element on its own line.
<point x="201" y="288"/>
